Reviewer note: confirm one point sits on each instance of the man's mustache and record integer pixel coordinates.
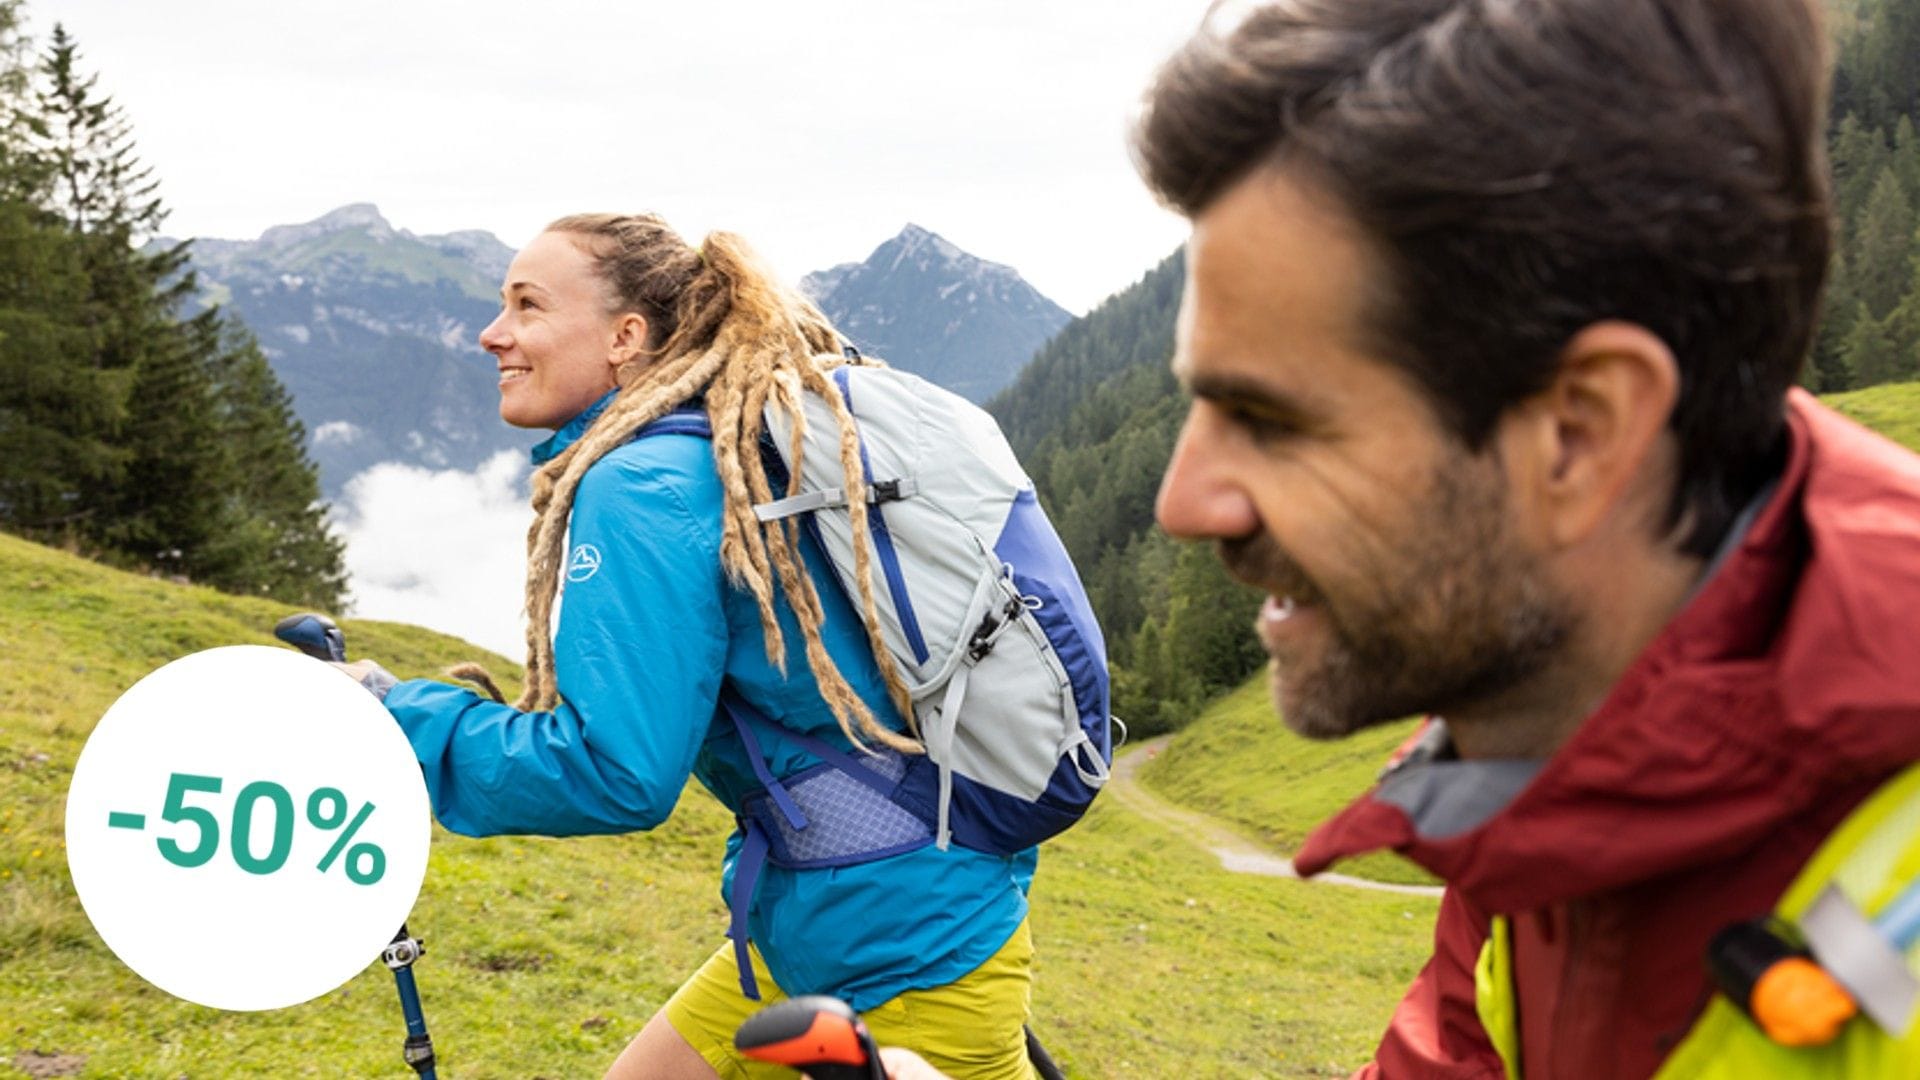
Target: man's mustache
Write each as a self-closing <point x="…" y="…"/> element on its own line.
<point x="1259" y="561"/>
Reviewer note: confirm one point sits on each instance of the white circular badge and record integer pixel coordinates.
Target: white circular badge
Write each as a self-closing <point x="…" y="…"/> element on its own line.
<point x="247" y="828"/>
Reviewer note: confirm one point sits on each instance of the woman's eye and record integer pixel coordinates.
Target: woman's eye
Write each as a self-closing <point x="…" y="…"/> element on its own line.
<point x="527" y="304"/>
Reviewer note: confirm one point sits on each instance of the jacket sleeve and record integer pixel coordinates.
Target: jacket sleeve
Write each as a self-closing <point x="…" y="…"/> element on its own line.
<point x="1435" y="1031"/>
<point x="639" y="653"/>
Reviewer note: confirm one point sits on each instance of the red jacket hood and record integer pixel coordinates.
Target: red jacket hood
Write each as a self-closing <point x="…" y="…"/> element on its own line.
<point x="1770" y="687"/>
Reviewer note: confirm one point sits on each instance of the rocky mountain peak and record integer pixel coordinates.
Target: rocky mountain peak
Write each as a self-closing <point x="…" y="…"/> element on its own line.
<point x="915" y="241"/>
<point x="927" y="306"/>
<point x="354" y="217"/>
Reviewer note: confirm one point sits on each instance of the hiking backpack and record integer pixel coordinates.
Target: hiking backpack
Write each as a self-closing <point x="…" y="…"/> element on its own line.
<point x="984" y="615"/>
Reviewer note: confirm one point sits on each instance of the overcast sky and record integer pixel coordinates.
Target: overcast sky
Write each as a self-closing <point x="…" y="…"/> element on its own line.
<point x="816" y="129"/>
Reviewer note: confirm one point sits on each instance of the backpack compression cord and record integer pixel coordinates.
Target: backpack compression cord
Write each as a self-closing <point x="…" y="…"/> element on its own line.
<point x="319" y="637"/>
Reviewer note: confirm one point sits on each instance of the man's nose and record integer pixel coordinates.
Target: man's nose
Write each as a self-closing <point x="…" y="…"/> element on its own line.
<point x="1202" y="497"/>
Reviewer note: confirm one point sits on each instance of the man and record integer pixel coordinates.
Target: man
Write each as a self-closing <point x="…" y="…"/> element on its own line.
<point x="1492" y="321"/>
<point x="1493" y="317"/>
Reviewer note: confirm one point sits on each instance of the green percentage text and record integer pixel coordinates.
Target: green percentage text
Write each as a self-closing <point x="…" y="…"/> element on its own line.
<point x="326" y="809"/>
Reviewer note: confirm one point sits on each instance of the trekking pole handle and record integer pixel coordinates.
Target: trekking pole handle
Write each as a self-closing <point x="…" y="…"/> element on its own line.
<point x="818" y="1034"/>
<point x="313" y="634"/>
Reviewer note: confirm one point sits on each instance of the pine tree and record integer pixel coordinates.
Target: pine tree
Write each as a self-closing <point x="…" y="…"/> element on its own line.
<point x="275" y="538"/>
<point x="1825" y="371"/>
<point x="53" y="403"/>
<point x="1882" y="256"/>
<point x="98" y="188"/>
<point x="22" y="174"/>
<point x="56" y="407"/>
<point x="1858" y="153"/>
<point x="1903" y="326"/>
<point x="1885" y="58"/>
<point x="166" y="509"/>
<point x="1905" y="159"/>
<point x="1870" y="350"/>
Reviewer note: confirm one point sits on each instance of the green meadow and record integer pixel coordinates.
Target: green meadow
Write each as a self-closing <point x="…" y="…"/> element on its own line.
<point x="544" y="956"/>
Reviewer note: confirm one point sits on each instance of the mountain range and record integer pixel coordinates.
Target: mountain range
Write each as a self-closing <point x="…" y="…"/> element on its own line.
<point x="373" y="329"/>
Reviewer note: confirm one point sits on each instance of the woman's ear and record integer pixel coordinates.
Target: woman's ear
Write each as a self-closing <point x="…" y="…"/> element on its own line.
<point x="1593" y="439"/>
<point x="629" y="339"/>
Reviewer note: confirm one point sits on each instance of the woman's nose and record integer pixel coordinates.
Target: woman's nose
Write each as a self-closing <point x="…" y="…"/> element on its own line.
<point x="494" y="337"/>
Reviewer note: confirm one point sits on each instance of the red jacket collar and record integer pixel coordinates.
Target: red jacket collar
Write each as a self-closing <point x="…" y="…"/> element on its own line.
<point x="1795" y="667"/>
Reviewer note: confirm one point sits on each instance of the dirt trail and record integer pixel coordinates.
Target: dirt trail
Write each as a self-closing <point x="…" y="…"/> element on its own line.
<point x="1234" y="851"/>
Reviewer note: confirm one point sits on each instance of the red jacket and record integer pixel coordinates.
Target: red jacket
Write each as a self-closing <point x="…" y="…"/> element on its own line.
<point x="1781" y="695"/>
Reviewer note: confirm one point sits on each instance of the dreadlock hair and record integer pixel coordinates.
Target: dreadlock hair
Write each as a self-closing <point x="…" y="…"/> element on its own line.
<point x="717" y="322"/>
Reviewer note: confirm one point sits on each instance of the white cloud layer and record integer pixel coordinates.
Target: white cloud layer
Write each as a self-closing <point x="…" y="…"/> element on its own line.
<point x="441" y="549"/>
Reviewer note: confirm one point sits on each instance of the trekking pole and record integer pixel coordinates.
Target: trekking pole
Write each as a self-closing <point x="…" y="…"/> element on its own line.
<point x="320" y="637"/>
<point x="1043" y="1065"/>
<point x="819" y="1034"/>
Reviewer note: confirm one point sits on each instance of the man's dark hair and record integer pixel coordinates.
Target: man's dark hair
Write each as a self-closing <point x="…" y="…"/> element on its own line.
<point x="1528" y="167"/>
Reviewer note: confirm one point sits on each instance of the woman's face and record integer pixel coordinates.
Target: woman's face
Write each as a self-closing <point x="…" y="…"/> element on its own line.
<point x="555" y="343"/>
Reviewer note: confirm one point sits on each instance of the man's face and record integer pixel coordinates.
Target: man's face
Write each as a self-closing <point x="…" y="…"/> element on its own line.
<point x="1395" y="577"/>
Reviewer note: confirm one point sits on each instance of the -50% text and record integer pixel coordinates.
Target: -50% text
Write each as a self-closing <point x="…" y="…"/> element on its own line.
<point x="326" y="810"/>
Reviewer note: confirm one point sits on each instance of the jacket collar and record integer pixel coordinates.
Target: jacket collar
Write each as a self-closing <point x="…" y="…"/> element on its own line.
<point x="556" y="444"/>
<point x="1728" y="722"/>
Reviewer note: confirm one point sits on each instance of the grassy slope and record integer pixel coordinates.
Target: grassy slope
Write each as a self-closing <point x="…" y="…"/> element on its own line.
<point x="1892" y="410"/>
<point x="544" y="956"/>
<point x="1236" y="760"/>
<point x="1239" y="763"/>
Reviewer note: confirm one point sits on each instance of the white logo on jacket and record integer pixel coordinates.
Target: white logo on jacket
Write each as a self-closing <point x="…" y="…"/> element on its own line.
<point x="583" y="563"/>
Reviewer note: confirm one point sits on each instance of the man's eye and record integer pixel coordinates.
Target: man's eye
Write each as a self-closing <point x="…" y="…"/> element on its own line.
<point x="1260" y="424"/>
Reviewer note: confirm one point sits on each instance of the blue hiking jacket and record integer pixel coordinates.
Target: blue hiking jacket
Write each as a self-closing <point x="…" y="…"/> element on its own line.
<point x="648" y="630"/>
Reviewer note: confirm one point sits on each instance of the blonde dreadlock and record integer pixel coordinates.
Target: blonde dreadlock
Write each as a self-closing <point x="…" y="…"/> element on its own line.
<point x="718" y="323"/>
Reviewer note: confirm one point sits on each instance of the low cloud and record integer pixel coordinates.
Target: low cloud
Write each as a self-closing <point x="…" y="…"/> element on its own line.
<point x="441" y="548"/>
<point x="336" y="431"/>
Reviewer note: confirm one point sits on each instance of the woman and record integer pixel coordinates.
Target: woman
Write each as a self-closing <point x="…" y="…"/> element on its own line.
<point x="674" y="593"/>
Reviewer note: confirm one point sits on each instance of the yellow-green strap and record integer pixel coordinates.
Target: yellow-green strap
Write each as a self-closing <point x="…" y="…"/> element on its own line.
<point x="1493" y="995"/>
<point x="1872" y="855"/>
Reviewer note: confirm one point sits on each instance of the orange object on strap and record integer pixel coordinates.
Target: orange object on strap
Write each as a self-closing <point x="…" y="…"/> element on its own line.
<point x="830" y="1039"/>
<point x="1798" y="1004"/>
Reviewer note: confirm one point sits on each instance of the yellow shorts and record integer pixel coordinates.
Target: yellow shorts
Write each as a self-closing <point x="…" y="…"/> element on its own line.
<point x="970" y="1029"/>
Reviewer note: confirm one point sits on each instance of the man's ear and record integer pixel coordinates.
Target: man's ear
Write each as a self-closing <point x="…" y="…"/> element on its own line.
<point x="1593" y="443"/>
<point x="629" y="339"/>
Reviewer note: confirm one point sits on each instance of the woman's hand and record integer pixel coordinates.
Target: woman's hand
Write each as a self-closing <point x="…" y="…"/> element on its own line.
<point x="907" y="1065"/>
<point x="375" y="678"/>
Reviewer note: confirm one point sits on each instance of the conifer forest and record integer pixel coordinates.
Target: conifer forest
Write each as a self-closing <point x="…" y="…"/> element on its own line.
<point x="132" y="429"/>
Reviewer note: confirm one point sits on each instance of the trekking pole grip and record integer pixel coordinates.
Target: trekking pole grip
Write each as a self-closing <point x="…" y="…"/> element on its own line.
<point x="821" y="1035"/>
<point x="313" y="634"/>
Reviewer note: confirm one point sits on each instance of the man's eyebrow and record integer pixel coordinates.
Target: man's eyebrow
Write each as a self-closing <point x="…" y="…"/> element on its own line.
<point x="1242" y="390"/>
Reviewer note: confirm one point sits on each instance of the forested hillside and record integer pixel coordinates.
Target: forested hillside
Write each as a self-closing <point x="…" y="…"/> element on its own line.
<point x="1871" y="333"/>
<point x="1094" y="416"/>
<point x="130" y="430"/>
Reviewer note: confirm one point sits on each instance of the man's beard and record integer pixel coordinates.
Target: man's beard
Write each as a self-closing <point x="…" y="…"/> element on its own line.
<point x="1455" y="615"/>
